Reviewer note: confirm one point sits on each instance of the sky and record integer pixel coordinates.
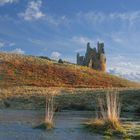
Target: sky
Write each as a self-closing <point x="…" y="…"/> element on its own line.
<point x="61" y="28"/>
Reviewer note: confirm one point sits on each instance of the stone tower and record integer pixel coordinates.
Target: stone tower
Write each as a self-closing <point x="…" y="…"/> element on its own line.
<point x="94" y="58"/>
<point x="102" y="57"/>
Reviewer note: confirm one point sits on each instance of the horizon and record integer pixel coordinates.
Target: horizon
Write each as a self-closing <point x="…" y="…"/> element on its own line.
<point x="61" y="29"/>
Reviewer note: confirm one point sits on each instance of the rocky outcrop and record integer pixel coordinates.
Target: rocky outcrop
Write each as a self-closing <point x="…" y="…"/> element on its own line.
<point x="94" y="58"/>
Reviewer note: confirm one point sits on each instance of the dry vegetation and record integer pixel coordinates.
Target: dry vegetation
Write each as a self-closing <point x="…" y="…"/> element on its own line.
<point x="29" y="80"/>
<point x="49" y="110"/>
<point x="18" y="70"/>
<point x="30" y="97"/>
<point x="107" y="119"/>
<point x="108" y="108"/>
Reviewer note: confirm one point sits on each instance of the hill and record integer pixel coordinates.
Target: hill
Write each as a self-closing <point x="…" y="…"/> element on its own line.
<point x="21" y="70"/>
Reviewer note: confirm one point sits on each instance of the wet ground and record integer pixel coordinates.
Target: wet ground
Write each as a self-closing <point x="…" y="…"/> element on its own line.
<point x="18" y="125"/>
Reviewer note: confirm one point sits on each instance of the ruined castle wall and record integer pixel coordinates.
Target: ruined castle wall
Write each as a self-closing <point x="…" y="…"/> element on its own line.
<point x="80" y="60"/>
<point x="102" y="62"/>
<point x="90" y="54"/>
<point x="93" y="58"/>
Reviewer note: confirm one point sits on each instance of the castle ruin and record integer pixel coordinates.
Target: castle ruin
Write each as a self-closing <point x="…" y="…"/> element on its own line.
<point x="94" y="58"/>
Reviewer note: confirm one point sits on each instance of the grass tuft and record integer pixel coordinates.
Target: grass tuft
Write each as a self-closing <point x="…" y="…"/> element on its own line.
<point x="108" y="116"/>
<point x="45" y="126"/>
<point x="105" y="128"/>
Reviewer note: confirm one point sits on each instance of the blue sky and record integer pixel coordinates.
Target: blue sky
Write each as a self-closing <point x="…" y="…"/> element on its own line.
<point x="61" y="28"/>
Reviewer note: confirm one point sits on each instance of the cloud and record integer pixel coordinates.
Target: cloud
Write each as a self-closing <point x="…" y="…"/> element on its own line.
<point x="18" y="51"/>
<point x="55" y="20"/>
<point x="82" y="40"/>
<point x="38" y="42"/>
<point x="80" y="50"/>
<point x="33" y="11"/>
<point x="55" y="55"/>
<point x="6" y="44"/>
<point x="125" y="67"/>
<point x="99" y="17"/>
<point x="131" y="17"/>
<point x="91" y="17"/>
<point x="11" y="44"/>
<point x="117" y="39"/>
<point x="125" y="41"/>
<point x="2" y="44"/>
<point x="131" y="75"/>
<point x="3" y="2"/>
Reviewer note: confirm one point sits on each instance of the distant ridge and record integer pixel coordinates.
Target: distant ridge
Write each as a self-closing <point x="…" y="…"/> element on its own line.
<point x="21" y="70"/>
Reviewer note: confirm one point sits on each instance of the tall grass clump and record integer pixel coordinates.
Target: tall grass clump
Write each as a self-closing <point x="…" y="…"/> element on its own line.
<point x="49" y="111"/>
<point x="108" y="110"/>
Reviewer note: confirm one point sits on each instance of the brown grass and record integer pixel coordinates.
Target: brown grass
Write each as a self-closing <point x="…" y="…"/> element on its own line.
<point x="19" y="70"/>
<point x="108" y="108"/>
<point x="107" y="121"/>
<point x="48" y="123"/>
<point x="50" y="108"/>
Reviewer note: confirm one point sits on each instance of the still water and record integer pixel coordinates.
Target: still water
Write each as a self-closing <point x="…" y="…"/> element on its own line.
<point x="18" y="125"/>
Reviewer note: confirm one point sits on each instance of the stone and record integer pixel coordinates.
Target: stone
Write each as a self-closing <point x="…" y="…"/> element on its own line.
<point x="94" y="58"/>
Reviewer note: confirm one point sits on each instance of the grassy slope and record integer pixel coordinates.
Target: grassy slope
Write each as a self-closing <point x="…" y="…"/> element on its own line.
<point x="17" y="70"/>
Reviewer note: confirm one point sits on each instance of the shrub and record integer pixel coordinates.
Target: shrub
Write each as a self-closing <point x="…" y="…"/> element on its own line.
<point x="60" y="61"/>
